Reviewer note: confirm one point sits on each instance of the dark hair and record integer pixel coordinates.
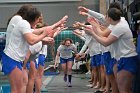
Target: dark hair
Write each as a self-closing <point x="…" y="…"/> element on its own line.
<point x="32" y="14"/>
<point x="115" y="5"/>
<point x="27" y="12"/>
<point x="23" y="10"/>
<point x="114" y="14"/>
<point x="67" y="39"/>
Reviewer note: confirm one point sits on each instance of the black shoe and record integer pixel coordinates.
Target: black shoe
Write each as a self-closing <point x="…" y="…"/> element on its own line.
<point x="98" y="91"/>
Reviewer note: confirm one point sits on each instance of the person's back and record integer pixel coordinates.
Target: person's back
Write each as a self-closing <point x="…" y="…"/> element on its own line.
<point x="14" y="20"/>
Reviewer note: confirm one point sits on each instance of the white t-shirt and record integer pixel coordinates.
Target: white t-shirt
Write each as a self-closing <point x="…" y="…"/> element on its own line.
<point x="104" y="49"/>
<point x="66" y="52"/>
<point x="93" y="45"/>
<point x="35" y="49"/>
<point x="83" y="49"/>
<point x="124" y="46"/>
<point x="14" y="20"/>
<point x="17" y="47"/>
<point x="44" y="50"/>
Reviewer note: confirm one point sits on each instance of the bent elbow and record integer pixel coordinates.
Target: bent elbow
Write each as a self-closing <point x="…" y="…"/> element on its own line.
<point x="31" y="42"/>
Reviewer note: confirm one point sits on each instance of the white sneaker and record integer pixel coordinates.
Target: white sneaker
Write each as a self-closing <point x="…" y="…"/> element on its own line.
<point x="88" y="73"/>
<point x="69" y="84"/>
<point x="89" y="85"/>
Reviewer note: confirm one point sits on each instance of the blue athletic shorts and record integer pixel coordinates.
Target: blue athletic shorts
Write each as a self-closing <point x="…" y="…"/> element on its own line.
<point x="102" y="62"/>
<point x="62" y="60"/>
<point x="138" y="44"/>
<point x="1" y="53"/>
<point x="41" y="60"/>
<point x="128" y="64"/>
<point x="8" y="64"/>
<point x="109" y="63"/>
<point x="95" y="60"/>
<point x="28" y="65"/>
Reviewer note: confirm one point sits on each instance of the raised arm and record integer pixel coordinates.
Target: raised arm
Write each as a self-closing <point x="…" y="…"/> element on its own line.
<point x="33" y="39"/>
<point x="105" y="41"/>
<point x="86" y="11"/>
<point x="60" y="23"/>
<point x="79" y="34"/>
<point x="102" y="30"/>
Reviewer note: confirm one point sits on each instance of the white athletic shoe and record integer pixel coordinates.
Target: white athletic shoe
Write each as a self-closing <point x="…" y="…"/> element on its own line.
<point x="69" y="84"/>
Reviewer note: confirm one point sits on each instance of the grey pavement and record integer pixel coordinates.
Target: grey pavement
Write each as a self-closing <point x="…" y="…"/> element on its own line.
<point x="79" y="82"/>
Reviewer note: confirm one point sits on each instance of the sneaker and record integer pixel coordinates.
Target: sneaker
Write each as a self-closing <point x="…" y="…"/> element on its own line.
<point x="97" y="91"/>
<point x="69" y="84"/>
<point x="89" y="85"/>
<point x="88" y="73"/>
<point x="65" y="78"/>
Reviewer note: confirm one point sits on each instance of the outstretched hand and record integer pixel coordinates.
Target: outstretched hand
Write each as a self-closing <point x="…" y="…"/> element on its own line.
<point x="59" y="30"/>
<point x="83" y="9"/>
<point x="83" y="13"/>
<point x="60" y="23"/>
<point x="89" y="29"/>
<point x="93" y="21"/>
<point x="48" y="40"/>
<point x="78" y="25"/>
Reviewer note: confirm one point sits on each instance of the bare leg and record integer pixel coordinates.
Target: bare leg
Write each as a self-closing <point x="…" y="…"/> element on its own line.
<point x="98" y="78"/>
<point x="94" y="71"/>
<point x="102" y="73"/>
<point x="92" y="77"/>
<point x="115" y="71"/>
<point x="64" y="68"/>
<point x="16" y="80"/>
<point x="38" y="81"/>
<point x="113" y="83"/>
<point x="124" y="80"/>
<point x="25" y="80"/>
<point x="69" y="67"/>
<point x="32" y="75"/>
<point x="107" y="87"/>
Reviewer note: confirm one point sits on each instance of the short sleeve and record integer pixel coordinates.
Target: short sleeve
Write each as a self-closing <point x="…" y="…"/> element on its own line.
<point x="59" y="48"/>
<point x="36" y="48"/>
<point x="25" y="27"/>
<point x="117" y="31"/>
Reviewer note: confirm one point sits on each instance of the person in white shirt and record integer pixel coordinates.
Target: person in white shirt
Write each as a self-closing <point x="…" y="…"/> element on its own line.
<point x="95" y="53"/>
<point x="20" y="37"/>
<point x="110" y="63"/>
<point x="36" y="59"/>
<point x="65" y="51"/>
<point x="123" y="48"/>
